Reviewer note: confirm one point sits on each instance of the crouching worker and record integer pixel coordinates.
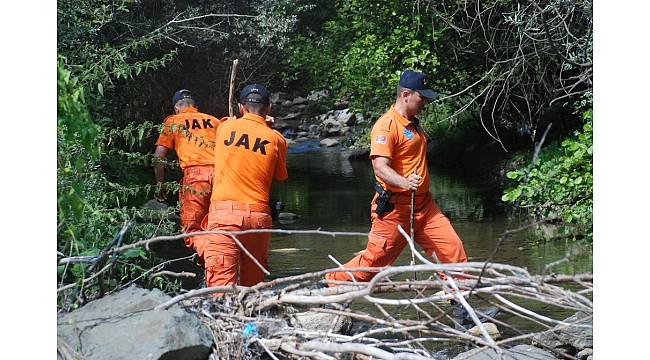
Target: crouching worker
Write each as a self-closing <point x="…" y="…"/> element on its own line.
<point x="248" y="156"/>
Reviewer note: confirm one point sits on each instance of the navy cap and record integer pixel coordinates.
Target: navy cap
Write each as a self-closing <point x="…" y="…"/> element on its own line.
<point x="259" y="89"/>
<point x="180" y="95"/>
<point x="417" y="81"/>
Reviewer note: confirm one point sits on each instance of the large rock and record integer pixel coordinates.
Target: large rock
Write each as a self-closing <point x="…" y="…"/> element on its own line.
<point x="573" y="338"/>
<point x="519" y="352"/>
<point x="299" y="100"/>
<point x="345" y="117"/>
<point x="330" y="127"/>
<point x="329" y="142"/>
<point x="125" y="326"/>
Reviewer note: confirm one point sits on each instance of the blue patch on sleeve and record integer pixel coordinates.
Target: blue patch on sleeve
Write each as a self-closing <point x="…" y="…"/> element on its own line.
<point x="408" y="133"/>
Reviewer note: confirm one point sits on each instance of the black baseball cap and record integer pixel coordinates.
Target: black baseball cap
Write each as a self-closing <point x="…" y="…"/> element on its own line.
<point x="255" y="93"/>
<point x="180" y="95"/>
<point x="417" y="81"/>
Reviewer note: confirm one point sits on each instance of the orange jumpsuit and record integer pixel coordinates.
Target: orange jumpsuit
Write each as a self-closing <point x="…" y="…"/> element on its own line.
<point x="396" y="138"/>
<point x="248" y="156"/>
<point x="191" y="134"/>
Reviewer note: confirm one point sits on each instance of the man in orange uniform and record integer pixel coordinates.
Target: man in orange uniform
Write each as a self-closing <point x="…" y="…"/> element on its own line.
<point x="248" y="156"/>
<point x="398" y="153"/>
<point x="191" y="134"/>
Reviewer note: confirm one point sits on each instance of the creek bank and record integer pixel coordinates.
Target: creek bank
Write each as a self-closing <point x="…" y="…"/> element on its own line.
<point x="318" y="118"/>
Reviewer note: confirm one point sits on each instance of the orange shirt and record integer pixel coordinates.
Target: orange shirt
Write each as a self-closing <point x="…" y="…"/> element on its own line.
<point x="248" y="156"/>
<point x="191" y="134"/>
<point x="396" y="138"/>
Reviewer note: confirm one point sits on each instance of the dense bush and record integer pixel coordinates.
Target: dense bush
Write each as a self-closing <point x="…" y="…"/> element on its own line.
<point x="91" y="209"/>
<point x="559" y="185"/>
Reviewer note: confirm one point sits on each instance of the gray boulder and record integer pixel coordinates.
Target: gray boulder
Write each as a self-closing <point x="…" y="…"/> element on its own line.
<point x="125" y="326"/>
<point x="585" y="354"/>
<point x="313" y="130"/>
<point x="289" y="116"/>
<point x="519" y="352"/>
<point x="579" y="336"/>
<point x="345" y="117"/>
<point x="299" y="100"/>
<point x="317" y="95"/>
<point x="329" y="142"/>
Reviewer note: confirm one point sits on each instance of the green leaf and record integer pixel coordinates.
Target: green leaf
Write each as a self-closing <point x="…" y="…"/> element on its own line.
<point x="134" y="253"/>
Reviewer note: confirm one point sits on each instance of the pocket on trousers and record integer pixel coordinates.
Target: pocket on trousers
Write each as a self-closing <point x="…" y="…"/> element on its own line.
<point x="264" y="221"/>
<point x="199" y="178"/>
<point x="376" y="247"/>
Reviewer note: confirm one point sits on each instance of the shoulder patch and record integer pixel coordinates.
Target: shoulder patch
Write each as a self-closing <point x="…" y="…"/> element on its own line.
<point x="381" y="139"/>
<point x="408" y="133"/>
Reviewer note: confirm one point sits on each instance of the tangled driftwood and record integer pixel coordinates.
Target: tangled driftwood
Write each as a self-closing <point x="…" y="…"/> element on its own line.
<point x="394" y="316"/>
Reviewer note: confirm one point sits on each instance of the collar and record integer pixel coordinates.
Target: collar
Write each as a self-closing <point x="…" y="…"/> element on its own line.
<point x="402" y="120"/>
<point x="253" y="117"/>
<point x="188" y="109"/>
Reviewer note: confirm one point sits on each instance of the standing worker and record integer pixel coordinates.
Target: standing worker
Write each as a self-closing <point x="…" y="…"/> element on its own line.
<point x="398" y="153"/>
<point x="248" y="156"/>
<point x="191" y="134"/>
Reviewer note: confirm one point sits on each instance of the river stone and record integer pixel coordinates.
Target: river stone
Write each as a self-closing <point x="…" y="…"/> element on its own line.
<point x="585" y="354"/>
<point x="298" y="108"/>
<point x="125" y="326"/>
<point x="563" y="336"/>
<point x="313" y="130"/>
<point x="519" y="352"/>
<point x="314" y="321"/>
<point x="289" y="116"/>
<point x="317" y="95"/>
<point x="345" y="117"/>
<point x="329" y="142"/>
<point x="491" y="329"/>
<point x="299" y="100"/>
<point x="287" y="216"/>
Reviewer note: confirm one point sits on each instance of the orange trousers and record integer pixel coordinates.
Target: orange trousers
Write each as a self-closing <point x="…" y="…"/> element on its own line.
<point x="225" y="262"/>
<point x="194" y="198"/>
<point x="432" y="231"/>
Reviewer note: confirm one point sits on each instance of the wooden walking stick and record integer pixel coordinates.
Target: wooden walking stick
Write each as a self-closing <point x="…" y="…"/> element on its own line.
<point x="233" y="73"/>
<point x="412" y="225"/>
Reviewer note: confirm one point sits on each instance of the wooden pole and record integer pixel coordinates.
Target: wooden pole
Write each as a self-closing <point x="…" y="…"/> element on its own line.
<point x="231" y="91"/>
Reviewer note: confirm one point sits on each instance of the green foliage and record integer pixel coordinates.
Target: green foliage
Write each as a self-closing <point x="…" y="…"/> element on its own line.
<point x="361" y="52"/>
<point x="91" y="208"/>
<point x="560" y="184"/>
